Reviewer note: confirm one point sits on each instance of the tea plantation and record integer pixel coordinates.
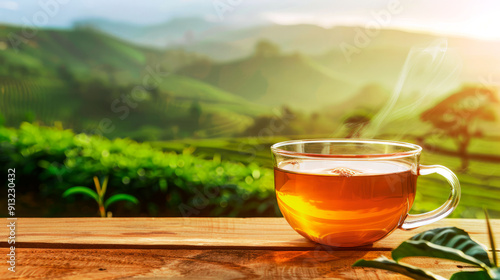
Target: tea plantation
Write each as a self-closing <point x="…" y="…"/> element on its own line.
<point x="49" y="160"/>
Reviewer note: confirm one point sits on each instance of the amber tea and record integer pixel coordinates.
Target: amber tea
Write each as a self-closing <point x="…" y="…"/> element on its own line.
<point x="344" y="203"/>
<point x="347" y="193"/>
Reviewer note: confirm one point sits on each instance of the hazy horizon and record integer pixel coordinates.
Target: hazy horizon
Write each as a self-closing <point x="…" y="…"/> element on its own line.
<point x="464" y="18"/>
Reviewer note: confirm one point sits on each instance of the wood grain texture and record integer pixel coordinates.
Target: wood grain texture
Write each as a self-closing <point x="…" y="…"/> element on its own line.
<point x="199" y="248"/>
<point x="205" y="264"/>
<point x="193" y="233"/>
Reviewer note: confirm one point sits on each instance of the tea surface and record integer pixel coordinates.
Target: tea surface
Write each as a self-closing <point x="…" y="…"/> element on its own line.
<point x="344" y="203"/>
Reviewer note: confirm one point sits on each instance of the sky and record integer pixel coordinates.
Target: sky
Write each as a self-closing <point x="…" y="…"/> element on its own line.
<point x="478" y="19"/>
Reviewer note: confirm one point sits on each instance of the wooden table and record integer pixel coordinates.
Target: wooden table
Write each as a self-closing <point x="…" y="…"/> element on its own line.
<point x="216" y="248"/>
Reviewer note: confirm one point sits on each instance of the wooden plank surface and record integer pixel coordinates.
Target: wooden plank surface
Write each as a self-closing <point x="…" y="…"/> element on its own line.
<point x="192" y="233"/>
<point x="205" y="264"/>
<point x="199" y="248"/>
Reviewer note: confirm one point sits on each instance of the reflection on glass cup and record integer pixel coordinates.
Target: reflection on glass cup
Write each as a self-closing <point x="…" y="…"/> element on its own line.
<point x="350" y="193"/>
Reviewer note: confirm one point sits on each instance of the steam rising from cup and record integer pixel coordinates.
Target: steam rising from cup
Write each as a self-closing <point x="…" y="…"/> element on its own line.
<point x="427" y="73"/>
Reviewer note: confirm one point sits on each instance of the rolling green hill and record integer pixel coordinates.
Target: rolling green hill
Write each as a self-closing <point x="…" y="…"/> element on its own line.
<point x="74" y="76"/>
<point x="42" y="99"/>
<point x="293" y="80"/>
<point x="84" y="52"/>
<point x="378" y="60"/>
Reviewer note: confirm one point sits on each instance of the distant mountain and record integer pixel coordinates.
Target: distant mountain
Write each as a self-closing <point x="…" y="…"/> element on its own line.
<point x="305" y="38"/>
<point x="368" y="101"/>
<point x="379" y="58"/>
<point x="294" y="80"/>
<point x="382" y="57"/>
<point x="234" y="44"/>
<point x="176" y="32"/>
<point x="435" y="57"/>
<point x="75" y="76"/>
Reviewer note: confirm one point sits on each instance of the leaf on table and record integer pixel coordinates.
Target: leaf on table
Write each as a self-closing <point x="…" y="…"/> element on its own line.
<point x="491" y="238"/>
<point x="405" y="269"/>
<point x="477" y="275"/>
<point x="446" y="243"/>
<point x="81" y="190"/>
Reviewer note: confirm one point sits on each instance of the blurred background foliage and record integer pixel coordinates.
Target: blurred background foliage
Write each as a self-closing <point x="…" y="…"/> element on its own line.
<point x="50" y="160"/>
<point x="181" y="114"/>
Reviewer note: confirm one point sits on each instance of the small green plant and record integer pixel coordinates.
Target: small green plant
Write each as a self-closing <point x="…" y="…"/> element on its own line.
<point x="446" y="243"/>
<point x="98" y="195"/>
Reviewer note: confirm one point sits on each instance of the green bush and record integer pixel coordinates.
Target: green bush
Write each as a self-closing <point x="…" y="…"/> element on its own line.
<point x="49" y="160"/>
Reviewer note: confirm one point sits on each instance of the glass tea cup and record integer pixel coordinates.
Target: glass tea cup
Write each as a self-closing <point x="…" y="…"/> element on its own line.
<point x="347" y="193"/>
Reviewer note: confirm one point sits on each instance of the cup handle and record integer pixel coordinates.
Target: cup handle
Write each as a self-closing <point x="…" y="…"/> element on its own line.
<point x="414" y="221"/>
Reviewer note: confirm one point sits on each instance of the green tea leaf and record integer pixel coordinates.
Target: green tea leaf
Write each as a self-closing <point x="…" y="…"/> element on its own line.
<point x="120" y="197"/>
<point x="446" y="243"/>
<point x="405" y="269"/>
<point x="492" y="238"/>
<point x="81" y="190"/>
<point x="494" y="274"/>
<point x="97" y="186"/>
<point x="104" y="185"/>
<point x="424" y="248"/>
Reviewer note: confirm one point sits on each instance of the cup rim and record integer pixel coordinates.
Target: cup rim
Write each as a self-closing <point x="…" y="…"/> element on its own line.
<point x="415" y="149"/>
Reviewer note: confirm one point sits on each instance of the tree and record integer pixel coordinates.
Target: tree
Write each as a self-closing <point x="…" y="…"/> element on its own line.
<point x="269" y="126"/>
<point x="461" y="114"/>
<point x="195" y="112"/>
<point x="66" y="75"/>
<point x="265" y="48"/>
<point x="355" y="123"/>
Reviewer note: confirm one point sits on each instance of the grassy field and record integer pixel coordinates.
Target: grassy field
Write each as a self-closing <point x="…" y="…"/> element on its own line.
<point x="480" y="184"/>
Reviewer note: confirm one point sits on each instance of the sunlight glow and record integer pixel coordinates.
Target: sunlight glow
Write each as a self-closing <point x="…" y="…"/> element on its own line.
<point x="485" y="26"/>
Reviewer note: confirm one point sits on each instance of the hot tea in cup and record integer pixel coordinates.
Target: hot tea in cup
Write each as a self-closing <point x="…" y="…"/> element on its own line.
<point x="350" y="193"/>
